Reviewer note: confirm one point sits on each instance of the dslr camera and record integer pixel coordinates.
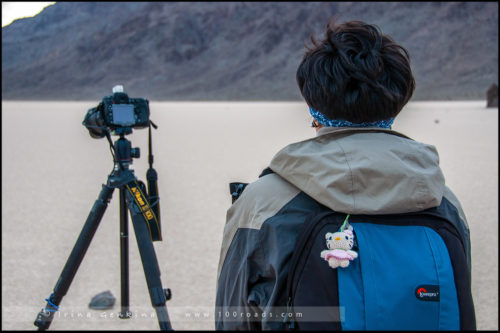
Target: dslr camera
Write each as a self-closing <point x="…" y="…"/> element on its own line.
<point x="117" y="113"/>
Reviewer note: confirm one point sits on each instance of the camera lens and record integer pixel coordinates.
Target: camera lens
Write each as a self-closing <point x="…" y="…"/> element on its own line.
<point x="94" y="123"/>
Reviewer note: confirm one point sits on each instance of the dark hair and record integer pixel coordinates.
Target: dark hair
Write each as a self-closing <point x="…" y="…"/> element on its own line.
<point x="356" y="73"/>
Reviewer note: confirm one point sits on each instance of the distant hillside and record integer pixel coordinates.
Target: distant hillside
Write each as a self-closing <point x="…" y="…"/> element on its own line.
<point x="233" y="50"/>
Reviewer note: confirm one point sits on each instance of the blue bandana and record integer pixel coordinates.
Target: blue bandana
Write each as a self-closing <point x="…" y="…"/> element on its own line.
<point x="344" y="123"/>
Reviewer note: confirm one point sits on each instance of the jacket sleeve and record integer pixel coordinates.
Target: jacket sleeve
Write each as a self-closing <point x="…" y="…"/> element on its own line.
<point x="236" y="308"/>
<point x="454" y="212"/>
<point x="259" y="236"/>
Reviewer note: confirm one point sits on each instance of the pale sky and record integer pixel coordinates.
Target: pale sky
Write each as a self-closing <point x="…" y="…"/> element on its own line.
<point x="12" y="10"/>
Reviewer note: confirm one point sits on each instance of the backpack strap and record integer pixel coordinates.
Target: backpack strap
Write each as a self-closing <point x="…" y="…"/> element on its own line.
<point x="266" y="172"/>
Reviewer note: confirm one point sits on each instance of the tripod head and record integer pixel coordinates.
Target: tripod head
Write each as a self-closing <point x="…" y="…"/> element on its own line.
<point x="124" y="153"/>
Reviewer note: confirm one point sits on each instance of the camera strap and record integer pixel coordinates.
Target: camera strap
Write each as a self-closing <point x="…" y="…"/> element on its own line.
<point x="144" y="207"/>
<point x="150" y="156"/>
<point x="152" y="180"/>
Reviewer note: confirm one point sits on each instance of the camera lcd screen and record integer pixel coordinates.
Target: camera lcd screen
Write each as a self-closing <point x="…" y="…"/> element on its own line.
<point x="123" y="114"/>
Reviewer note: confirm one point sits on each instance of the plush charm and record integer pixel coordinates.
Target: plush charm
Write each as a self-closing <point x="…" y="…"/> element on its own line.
<point x="339" y="245"/>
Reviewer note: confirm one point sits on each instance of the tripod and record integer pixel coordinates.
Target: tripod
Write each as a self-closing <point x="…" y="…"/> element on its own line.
<point x="143" y="218"/>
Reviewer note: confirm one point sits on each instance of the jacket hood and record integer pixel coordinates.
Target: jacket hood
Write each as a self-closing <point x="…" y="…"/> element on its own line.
<point x="364" y="171"/>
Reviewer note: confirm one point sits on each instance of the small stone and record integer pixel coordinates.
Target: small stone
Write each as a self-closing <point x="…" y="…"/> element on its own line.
<point x="102" y="301"/>
<point x="436" y="121"/>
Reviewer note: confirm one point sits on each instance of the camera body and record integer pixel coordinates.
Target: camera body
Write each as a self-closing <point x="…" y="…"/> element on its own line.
<point x="117" y="111"/>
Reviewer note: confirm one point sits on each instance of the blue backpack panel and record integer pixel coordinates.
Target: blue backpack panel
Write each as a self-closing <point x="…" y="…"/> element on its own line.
<point x="380" y="291"/>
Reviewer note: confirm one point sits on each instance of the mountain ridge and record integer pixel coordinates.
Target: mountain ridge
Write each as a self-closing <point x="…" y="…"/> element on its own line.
<point x="233" y="50"/>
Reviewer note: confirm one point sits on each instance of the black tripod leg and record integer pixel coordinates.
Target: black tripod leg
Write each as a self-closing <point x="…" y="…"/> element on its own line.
<point x="45" y="316"/>
<point x="125" y="312"/>
<point x="149" y="263"/>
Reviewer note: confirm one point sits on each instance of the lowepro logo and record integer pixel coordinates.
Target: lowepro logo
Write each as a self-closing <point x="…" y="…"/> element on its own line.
<point x="427" y="293"/>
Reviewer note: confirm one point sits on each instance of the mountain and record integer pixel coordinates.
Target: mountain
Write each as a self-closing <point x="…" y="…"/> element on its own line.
<point x="233" y="50"/>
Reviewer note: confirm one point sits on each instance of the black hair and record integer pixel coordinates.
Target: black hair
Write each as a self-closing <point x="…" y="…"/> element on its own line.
<point x="356" y="73"/>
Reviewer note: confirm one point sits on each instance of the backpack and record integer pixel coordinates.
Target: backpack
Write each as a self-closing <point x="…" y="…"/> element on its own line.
<point x="411" y="272"/>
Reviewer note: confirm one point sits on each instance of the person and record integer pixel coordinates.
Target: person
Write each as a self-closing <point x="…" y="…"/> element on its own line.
<point x="355" y="82"/>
